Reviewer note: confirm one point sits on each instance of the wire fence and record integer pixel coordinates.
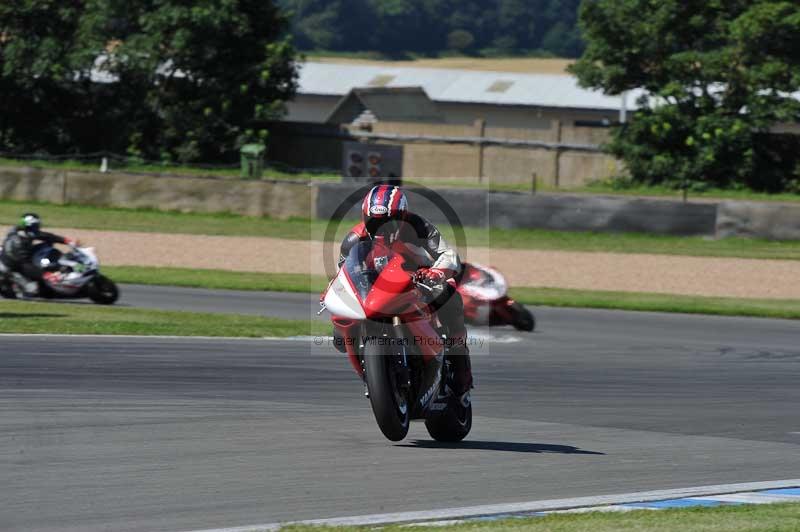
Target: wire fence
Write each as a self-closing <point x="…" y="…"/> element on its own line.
<point x="108" y="161"/>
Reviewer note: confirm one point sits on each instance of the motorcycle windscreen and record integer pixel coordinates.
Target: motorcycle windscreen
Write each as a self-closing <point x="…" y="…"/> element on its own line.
<point x="363" y="267"/>
<point x="377" y="276"/>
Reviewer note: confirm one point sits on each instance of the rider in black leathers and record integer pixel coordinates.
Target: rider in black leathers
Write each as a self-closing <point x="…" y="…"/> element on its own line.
<point x="17" y="251"/>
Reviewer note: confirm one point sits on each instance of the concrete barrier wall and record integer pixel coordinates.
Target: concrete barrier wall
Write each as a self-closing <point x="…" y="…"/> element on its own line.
<point x="187" y="194"/>
<point x="32" y="184"/>
<point x="775" y="221"/>
<point x="600" y="213"/>
<point x="479" y="208"/>
<point x="470" y="207"/>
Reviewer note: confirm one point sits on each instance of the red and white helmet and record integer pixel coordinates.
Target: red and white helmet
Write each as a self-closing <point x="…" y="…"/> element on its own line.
<point x="382" y="204"/>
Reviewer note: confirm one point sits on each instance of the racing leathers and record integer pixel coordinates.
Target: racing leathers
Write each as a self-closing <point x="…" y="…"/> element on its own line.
<point x="435" y="257"/>
<point x="17" y="253"/>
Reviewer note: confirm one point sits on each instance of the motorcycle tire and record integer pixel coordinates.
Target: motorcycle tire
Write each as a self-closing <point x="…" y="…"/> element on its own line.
<point x="521" y="318"/>
<point x="103" y="291"/>
<point x="451" y="424"/>
<point x="389" y="403"/>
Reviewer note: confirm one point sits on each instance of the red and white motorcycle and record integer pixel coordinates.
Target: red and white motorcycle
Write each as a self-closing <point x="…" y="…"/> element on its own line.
<point x="395" y="343"/>
<point x="486" y="301"/>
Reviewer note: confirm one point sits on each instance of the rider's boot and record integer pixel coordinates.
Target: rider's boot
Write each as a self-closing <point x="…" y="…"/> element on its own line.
<point x="461" y="367"/>
<point x="24" y="287"/>
<point x="31" y="289"/>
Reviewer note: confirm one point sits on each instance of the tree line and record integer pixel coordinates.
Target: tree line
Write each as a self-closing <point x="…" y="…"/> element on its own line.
<point x="167" y="80"/>
<point x="397" y="28"/>
<point x="720" y="74"/>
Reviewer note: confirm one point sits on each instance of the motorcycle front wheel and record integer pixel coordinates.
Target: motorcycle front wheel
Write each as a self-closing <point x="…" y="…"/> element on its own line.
<point x="388" y="399"/>
<point x="103" y="291"/>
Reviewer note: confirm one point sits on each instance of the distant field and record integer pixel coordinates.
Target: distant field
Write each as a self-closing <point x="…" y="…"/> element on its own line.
<point x="524" y="65"/>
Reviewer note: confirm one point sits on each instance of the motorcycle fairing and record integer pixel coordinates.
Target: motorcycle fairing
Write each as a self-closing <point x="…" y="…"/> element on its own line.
<point x="373" y="290"/>
<point x="77" y="268"/>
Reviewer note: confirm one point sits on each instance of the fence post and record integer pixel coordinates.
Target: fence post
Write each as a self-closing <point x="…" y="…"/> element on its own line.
<point x="480" y="125"/>
<point x="557" y="177"/>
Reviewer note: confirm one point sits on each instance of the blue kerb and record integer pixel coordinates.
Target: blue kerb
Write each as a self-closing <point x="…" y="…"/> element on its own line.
<point x="783" y="491"/>
<point x="673" y="503"/>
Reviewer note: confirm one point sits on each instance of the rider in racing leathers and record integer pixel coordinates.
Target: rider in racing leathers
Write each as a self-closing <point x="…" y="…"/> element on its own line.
<point x="17" y="251"/>
<point x="384" y="211"/>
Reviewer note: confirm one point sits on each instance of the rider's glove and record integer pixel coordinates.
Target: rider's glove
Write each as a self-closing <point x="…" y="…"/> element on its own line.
<point x="431" y="276"/>
<point x="72" y="242"/>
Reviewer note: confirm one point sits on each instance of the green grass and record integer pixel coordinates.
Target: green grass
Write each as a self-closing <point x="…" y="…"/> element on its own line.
<point x="555" y="297"/>
<point x="610" y="187"/>
<point x="745" y="518"/>
<point x="170" y="169"/>
<point x="116" y="219"/>
<point x="55" y="318"/>
<point x="722" y="306"/>
<point x="153" y="221"/>
<point x="216" y="279"/>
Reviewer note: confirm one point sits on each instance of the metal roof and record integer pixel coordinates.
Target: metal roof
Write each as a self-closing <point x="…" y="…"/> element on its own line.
<point x="459" y="86"/>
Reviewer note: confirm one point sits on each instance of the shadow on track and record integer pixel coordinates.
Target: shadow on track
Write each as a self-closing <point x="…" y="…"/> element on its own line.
<point x="513" y="447"/>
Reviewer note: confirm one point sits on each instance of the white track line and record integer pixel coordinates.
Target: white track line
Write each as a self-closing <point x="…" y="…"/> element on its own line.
<point x="523" y="507"/>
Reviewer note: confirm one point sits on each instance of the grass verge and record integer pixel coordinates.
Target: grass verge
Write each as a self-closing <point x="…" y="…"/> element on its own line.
<point x="721" y="306"/>
<point x="553" y="297"/>
<point x="216" y="279"/>
<point x="745" y="518"/>
<point x="55" y="318"/>
<point x="115" y="219"/>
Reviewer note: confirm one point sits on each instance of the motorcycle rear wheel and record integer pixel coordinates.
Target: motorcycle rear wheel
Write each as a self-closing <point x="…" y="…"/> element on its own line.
<point x="451" y="424"/>
<point x="521" y="318"/>
<point x="103" y="291"/>
<point x="389" y="402"/>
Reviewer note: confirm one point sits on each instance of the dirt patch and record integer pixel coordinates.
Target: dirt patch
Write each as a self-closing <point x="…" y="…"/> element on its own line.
<point x="724" y="277"/>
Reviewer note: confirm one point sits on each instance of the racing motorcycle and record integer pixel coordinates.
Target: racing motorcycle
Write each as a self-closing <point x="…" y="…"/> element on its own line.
<point x="71" y="275"/>
<point x="486" y="301"/>
<point x="396" y="345"/>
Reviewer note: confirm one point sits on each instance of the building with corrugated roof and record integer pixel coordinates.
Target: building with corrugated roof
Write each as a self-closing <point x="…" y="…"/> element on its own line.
<point x="339" y="93"/>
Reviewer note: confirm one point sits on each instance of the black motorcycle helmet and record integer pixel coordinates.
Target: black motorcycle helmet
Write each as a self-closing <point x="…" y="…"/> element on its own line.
<point x="30" y="224"/>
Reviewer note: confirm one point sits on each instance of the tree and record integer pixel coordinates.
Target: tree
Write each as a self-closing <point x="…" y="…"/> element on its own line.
<point x="398" y="27"/>
<point x="194" y="80"/>
<point x="200" y="76"/>
<point x="460" y="40"/>
<point x="43" y="87"/>
<point x="719" y="73"/>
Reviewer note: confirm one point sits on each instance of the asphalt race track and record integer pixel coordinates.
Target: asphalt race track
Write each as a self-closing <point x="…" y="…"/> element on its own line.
<point x="182" y="434"/>
<point x="275" y="304"/>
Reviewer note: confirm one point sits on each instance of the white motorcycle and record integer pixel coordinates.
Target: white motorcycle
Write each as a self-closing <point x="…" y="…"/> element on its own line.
<point x="71" y="275"/>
